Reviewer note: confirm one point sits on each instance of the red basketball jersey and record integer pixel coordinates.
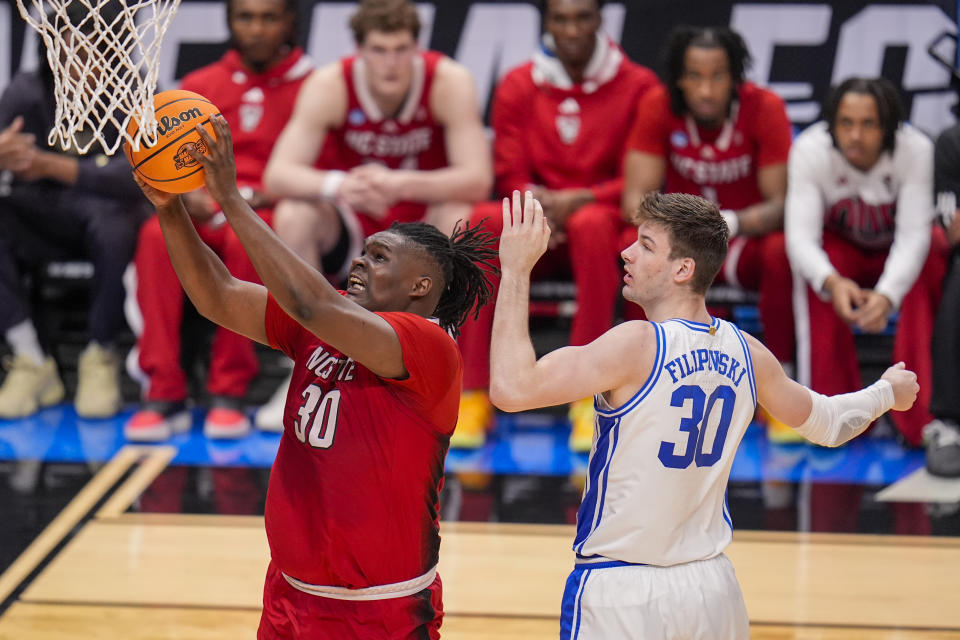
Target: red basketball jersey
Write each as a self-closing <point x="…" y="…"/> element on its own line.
<point x="410" y="139"/>
<point x="354" y="492"/>
<point x="255" y="105"/>
<point x="719" y="164"/>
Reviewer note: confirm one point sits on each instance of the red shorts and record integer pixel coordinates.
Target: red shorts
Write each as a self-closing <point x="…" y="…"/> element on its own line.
<point x="291" y="614"/>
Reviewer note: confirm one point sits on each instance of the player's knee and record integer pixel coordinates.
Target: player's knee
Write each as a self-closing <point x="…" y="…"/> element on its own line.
<point x="297" y="222"/>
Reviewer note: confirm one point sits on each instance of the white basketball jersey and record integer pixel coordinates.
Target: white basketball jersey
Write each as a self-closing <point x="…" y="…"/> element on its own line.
<point x="657" y="477"/>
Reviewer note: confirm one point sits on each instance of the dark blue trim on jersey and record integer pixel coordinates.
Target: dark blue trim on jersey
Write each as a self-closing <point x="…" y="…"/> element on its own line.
<point x="749" y="362"/>
<point x="726" y="511"/>
<point x="648" y="386"/>
<point x="698" y="326"/>
<point x="571" y="606"/>
<point x="589" y="514"/>
<point x="584" y="561"/>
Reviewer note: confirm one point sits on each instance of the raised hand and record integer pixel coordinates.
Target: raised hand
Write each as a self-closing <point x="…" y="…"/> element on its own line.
<point x="218" y="162"/>
<point x="159" y="199"/>
<point x="526" y="233"/>
<point x="904" y="383"/>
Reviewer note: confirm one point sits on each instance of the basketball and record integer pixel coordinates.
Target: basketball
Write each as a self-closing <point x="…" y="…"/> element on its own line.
<point x="167" y="165"/>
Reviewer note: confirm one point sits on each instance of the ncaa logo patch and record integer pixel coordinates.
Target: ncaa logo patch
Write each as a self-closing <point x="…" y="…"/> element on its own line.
<point x="678" y="139"/>
<point x="356" y="117"/>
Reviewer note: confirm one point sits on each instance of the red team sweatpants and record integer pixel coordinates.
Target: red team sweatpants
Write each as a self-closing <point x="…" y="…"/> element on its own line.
<point x="290" y="614"/>
<point x="589" y="255"/>
<point x="827" y="357"/>
<point x="233" y="363"/>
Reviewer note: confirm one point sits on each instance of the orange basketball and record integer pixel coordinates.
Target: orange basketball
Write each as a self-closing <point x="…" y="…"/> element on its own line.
<point x="167" y="165"/>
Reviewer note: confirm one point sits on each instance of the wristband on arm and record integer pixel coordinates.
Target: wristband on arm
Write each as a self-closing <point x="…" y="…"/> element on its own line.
<point x="732" y="220"/>
<point x="330" y="185"/>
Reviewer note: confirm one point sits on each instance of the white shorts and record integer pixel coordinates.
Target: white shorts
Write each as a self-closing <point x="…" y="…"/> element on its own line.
<point x="696" y="600"/>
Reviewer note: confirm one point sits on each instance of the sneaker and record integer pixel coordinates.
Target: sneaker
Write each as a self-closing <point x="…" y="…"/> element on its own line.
<point x="581" y="418"/>
<point x="98" y="383"/>
<point x="474" y="420"/>
<point x="269" y="417"/>
<point x="226" y="420"/>
<point x="777" y="431"/>
<point x="28" y="387"/>
<point x="157" y="421"/>
<point x="942" y="438"/>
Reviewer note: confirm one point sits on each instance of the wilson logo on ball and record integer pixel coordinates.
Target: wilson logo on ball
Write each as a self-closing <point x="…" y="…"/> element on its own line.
<point x="166" y="124"/>
<point x="183" y="159"/>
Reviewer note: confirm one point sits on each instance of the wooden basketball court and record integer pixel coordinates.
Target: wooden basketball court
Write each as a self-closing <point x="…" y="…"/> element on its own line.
<point x="98" y="571"/>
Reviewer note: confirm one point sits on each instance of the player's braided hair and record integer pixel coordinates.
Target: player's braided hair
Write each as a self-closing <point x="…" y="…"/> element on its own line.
<point x="466" y="261"/>
<point x="682" y="38"/>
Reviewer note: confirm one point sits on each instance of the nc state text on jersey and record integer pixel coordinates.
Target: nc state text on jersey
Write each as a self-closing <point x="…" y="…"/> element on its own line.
<point x="323" y="364"/>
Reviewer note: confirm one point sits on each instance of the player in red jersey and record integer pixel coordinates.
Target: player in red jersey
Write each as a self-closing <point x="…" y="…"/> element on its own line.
<point x="352" y="506"/>
<point x="254" y="85"/>
<point x="390" y="134"/>
<point x="711" y="133"/>
<point x="558" y="122"/>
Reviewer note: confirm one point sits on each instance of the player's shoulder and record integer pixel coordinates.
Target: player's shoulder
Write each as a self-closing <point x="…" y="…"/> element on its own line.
<point x="635" y="332"/>
<point x="328" y="74"/>
<point x="911" y="140"/>
<point x="638" y="72"/>
<point x="206" y="75"/>
<point x="448" y="71"/>
<point x="814" y="139"/>
<point x="753" y="94"/>
<point x="658" y="98"/>
<point x="520" y="75"/>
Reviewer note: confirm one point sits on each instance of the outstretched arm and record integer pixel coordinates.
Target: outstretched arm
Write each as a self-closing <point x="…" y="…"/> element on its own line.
<point x="217" y="295"/>
<point x="302" y="291"/>
<point x="828" y="420"/>
<point x="519" y="381"/>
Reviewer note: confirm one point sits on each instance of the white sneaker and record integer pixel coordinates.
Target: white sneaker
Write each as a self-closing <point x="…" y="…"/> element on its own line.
<point x="269" y="417"/>
<point x="942" y="439"/>
<point x="98" y="383"/>
<point x="29" y="386"/>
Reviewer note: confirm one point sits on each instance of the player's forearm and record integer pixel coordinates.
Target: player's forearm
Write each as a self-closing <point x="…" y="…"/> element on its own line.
<point x="61" y="168"/>
<point x="201" y="272"/>
<point x="762" y="218"/>
<point x="299" y="289"/>
<point x="904" y="262"/>
<point x="834" y="420"/>
<point x="293" y="180"/>
<point x="512" y="358"/>
<point x="451" y="184"/>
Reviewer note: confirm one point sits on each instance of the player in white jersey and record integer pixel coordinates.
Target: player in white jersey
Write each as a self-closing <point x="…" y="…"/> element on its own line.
<point x="859" y="218"/>
<point x="673" y="397"/>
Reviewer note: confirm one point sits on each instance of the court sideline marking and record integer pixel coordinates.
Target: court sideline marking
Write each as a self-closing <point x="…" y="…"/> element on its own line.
<point x="79" y="508"/>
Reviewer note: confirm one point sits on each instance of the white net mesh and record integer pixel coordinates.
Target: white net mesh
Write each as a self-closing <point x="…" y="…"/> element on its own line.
<point x="104" y="56"/>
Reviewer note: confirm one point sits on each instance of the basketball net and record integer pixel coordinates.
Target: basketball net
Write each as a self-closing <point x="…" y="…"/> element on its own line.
<point x="104" y="68"/>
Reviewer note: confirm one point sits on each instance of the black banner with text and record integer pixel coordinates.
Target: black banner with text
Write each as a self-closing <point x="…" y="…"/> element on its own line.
<point x="799" y="48"/>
